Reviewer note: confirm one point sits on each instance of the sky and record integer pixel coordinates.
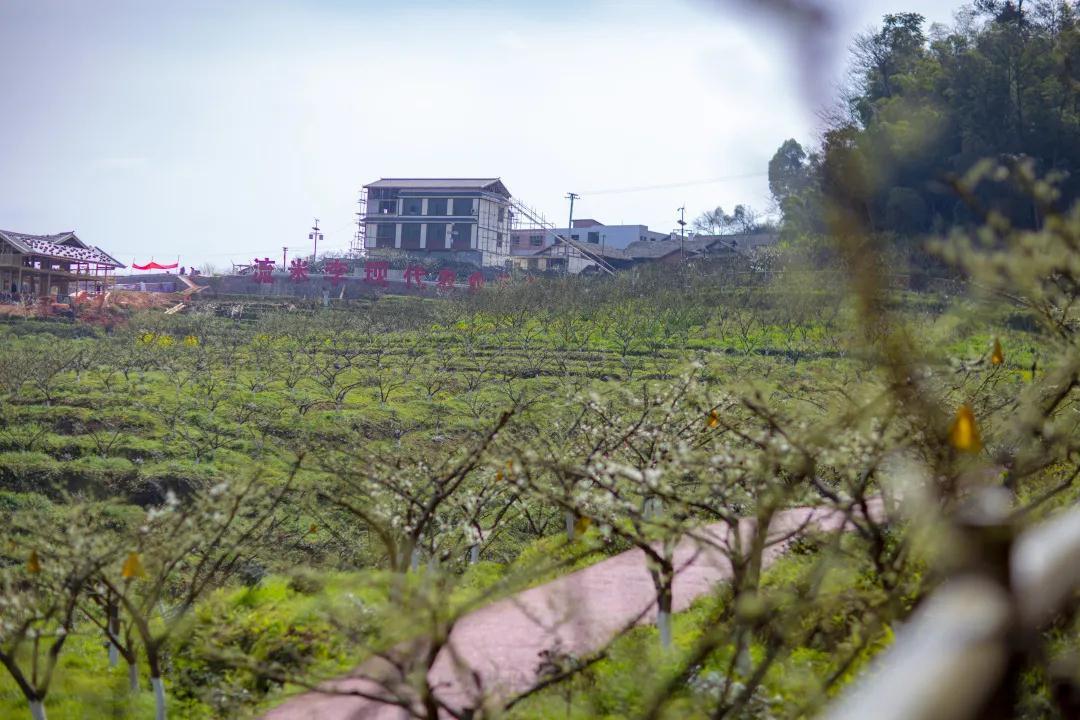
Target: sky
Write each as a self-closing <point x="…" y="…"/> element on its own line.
<point x="216" y="132"/>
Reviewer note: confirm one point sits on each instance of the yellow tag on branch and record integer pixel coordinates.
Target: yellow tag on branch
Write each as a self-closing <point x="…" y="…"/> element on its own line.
<point x="581" y="525"/>
<point x="133" y="567"/>
<point x="964" y="433"/>
<point x="714" y="419"/>
<point x="33" y="563"/>
<point x="997" y="357"/>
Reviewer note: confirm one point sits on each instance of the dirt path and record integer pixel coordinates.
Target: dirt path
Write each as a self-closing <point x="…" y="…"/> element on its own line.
<point x="499" y="646"/>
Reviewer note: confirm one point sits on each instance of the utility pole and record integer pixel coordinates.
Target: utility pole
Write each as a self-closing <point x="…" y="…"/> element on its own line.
<point x="682" y="231"/>
<point x="569" y="230"/>
<point x="284" y="250"/>
<point x="315" y="236"/>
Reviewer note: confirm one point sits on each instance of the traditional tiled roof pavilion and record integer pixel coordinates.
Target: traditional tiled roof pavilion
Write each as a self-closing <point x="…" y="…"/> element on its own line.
<point x="52" y="265"/>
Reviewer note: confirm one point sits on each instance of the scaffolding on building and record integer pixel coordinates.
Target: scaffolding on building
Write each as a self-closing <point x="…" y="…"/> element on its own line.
<point x="359" y="241"/>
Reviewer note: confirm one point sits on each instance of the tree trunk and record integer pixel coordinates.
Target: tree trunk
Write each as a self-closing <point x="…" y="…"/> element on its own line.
<point x="474" y="554"/>
<point x="744" y="663"/>
<point x="662" y="571"/>
<point x="663" y="616"/>
<point x="570" y="520"/>
<point x="153" y="660"/>
<point x="114" y="628"/>
<point x="159" y="698"/>
<point x="133" y="677"/>
<point x="37" y="710"/>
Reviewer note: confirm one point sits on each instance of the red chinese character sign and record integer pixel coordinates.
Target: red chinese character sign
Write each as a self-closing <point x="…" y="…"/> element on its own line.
<point x="375" y="271"/>
<point x="415" y="273"/>
<point x="336" y="269"/>
<point x="476" y="280"/>
<point x="447" y="278"/>
<point x="298" y="270"/>
<point x="264" y="270"/>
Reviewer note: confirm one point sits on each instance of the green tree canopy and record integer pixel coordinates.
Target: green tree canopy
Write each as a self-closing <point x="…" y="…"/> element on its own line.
<point x="924" y="105"/>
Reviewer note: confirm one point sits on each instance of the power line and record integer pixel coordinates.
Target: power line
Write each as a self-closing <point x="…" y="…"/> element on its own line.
<point x="689" y="183"/>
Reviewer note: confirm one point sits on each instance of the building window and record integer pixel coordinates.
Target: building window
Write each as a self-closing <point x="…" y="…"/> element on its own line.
<point x="594" y="238"/>
<point x="498" y="240"/>
<point x="575" y="238"/>
<point x="410" y="236"/>
<point x="384" y="235"/>
<point x="385" y="195"/>
<point x="436" y="206"/>
<point x="502" y="214"/>
<point x="462" y="237"/>
<point x="411" y="206"/>
<point x="436" y="235"/>
<point x="536" y="240"/>
<point x="388" y="207"/>
<point x="462" y="206"/>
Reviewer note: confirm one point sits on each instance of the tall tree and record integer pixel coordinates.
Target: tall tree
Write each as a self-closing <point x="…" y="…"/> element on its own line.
<point x="1004" y="82"/>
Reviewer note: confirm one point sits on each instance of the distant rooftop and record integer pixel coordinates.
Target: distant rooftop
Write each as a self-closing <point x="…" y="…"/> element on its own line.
<point x="491" y="184"/>
<point x="605" y="251"/>
<point x="649" y="249"/>
<point x="63" y="246"/>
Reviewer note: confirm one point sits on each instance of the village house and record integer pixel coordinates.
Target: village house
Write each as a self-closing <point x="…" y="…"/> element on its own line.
<point x="527" y="241"/>
<point x="463" y="220"/>
<point x="34" y="266"/>
<point x="583" y="257"/>
<point x="538" y="249"/>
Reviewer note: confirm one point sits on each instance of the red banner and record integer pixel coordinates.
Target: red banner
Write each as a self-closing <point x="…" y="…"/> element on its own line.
<point x="155" y="266"/>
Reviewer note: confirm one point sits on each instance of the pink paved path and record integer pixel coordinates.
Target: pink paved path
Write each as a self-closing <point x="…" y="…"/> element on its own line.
<point x="578" y="613"/>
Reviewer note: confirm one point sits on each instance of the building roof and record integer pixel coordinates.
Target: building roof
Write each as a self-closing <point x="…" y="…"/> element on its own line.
<point x="62" y="246"/>
<point x="64" y="238"/>
<point x="652" y="249"/>
<point x="742" y="241"/>
<point x="491" y="184"/>
<point x="604" y="251"/>
<point x="587" y="223"/>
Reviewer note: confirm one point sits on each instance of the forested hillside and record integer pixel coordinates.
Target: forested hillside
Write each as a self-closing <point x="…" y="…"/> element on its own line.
<point x="924" y="104"/>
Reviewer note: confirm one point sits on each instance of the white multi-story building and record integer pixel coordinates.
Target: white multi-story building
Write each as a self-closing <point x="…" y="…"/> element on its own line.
<point x="461" y="219"/>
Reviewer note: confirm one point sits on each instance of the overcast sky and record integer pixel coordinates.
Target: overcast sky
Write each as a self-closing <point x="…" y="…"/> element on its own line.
<point x="217" y="131"/>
